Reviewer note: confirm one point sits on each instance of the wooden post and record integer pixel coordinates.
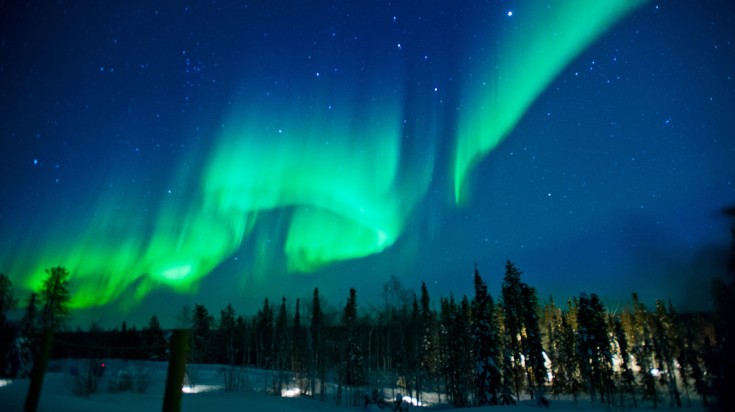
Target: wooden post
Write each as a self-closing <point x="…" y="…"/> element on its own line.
<point x="176" y="369"/>
<point x="39" y="369"/>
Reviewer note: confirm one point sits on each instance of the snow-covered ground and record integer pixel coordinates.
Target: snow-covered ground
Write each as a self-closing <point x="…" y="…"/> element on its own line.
<point x="207" y="394"/>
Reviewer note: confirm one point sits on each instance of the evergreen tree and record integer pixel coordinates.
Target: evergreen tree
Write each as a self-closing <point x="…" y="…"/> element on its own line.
<point x="643" y="350"/>
<point x="7" y="328"/>
<point x="7" y="299"/>
<point x="227" y="336"/>
<point x="550" y="324"/>
<point x="54" y="296"/>
<point x="202" y="324"/>
<point x="154" y="340"/>
<point x="627" y="377"/>
<point x="456" y="345"/>
<point x="298" y="353"/>
<point x="429" y="357"/>
<point x="30" y="331"/>
<point x="692" y="365"/>
<point x="513" y="316"/>
<point x="533" y="350"/>
<point x="413" y="351"/>
<point x="242" y="341"/>
<point x="505" y="395"/>
<point x="567" y="378"/>
<point x="352" y="368"/>
<point x="485" y="340"/>
<point x="668" y="350"/>
<point x="318" y="362"/>
<point x="281" y="346"/>
<point x="593" y="347"/>
<point x="263" y="335"/>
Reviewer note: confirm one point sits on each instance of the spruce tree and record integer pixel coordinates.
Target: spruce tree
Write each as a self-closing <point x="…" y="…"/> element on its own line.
<point x="505" y="393"/>
<point x="567" y="378"/>
<point x="668" y="350"/>
<point x="643" y="350"/>
<point x="201" y="335"/>
<point x="263" y="335"/>
<point x="281" y="346"/>
<point x="429" y="357"/>
<point x="55" y="297"/>
<point x="227" y="336"/>
<point x="7" y="328"/>
<point x="693" y="364"/>
<point x="513" y="316"/>
<point x="627" y="377"/>
<point x="318" y="362"/>
<point x="30" y="331"/>
<point x="352" y="370"/>
<point x="154" y="340"/>
<point x="533" y="349"/>
<point x="298" y="347"/>
<point x="457" y="355"/>
<point x="593" y="347"/>
<point x="485" y="340"/>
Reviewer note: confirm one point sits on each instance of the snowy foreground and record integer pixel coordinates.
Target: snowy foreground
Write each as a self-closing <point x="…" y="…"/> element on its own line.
<point x="207" y="395"/>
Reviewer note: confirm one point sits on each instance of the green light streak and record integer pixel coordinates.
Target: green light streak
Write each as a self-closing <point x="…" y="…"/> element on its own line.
<point x="541" y="42"/>
<point x="336" y="175"/>
<point x="329" y="183"/>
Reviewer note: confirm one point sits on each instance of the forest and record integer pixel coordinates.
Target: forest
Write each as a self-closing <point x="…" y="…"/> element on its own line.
<point x="470" y="351"/>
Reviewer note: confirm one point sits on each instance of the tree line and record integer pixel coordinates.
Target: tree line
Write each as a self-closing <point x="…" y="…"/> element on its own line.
<point x="471" y="351"/>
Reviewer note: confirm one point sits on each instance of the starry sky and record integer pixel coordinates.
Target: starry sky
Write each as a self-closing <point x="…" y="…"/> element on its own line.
<point x="172" y="153"/>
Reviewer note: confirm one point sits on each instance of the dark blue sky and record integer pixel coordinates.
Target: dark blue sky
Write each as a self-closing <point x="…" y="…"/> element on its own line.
<point x="228" y="152"/>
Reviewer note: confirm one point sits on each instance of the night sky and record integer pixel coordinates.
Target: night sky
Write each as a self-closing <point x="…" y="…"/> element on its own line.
<point x="215" y="152"/>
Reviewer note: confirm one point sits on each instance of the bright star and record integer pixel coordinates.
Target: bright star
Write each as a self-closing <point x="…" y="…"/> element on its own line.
<point x="510" y="13"/>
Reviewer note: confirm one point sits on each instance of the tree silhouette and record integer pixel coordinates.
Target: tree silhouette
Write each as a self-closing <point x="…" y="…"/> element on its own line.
<point x="7" y="329"/>
<point x="485" y="340"/>
<point x="54" y="296"/>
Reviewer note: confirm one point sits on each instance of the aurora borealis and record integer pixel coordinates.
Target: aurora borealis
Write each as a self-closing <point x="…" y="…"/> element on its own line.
<point x="172" y="154"/>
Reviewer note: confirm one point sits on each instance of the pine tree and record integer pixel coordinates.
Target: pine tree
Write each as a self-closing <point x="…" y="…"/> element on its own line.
<point x="154" y="340"/>
<point x="455" y="342"/>
<point x="7" y="329"/>
<point x="263" y="335"/>
<point x="593" y="347"/>
<point x="281" y="346"/>
<point x="318" y="361"/>
<point x="549" y="325"/>
<point x="567" y="378"/>
<point x="298" y="352"/>
<point x="485" y="340"/>
<point x="201" y="324"/>
<point x="7" y="299"/>
<point x="352" y="370"/>
<point x="513" y="315"/>
<point x="643" y="350"/>
<point x="30" y="331"/>
<point x="693" y="366"/>
<point x="227" y="336"/>
<point x="627" y="377"/>
<point x="429" y="356"/>
<point x="533" y="350"/>
<point x="242" y="341"/>
<point x="668" y="351"/>
<point x="54" y="296"/>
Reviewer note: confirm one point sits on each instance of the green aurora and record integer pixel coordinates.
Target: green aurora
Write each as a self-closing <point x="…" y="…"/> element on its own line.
<point x="543" y="41"/>
<point x="294" y="180"/>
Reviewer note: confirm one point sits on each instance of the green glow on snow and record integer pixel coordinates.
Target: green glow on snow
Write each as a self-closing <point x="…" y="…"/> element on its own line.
<point x="541" y="42"/>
